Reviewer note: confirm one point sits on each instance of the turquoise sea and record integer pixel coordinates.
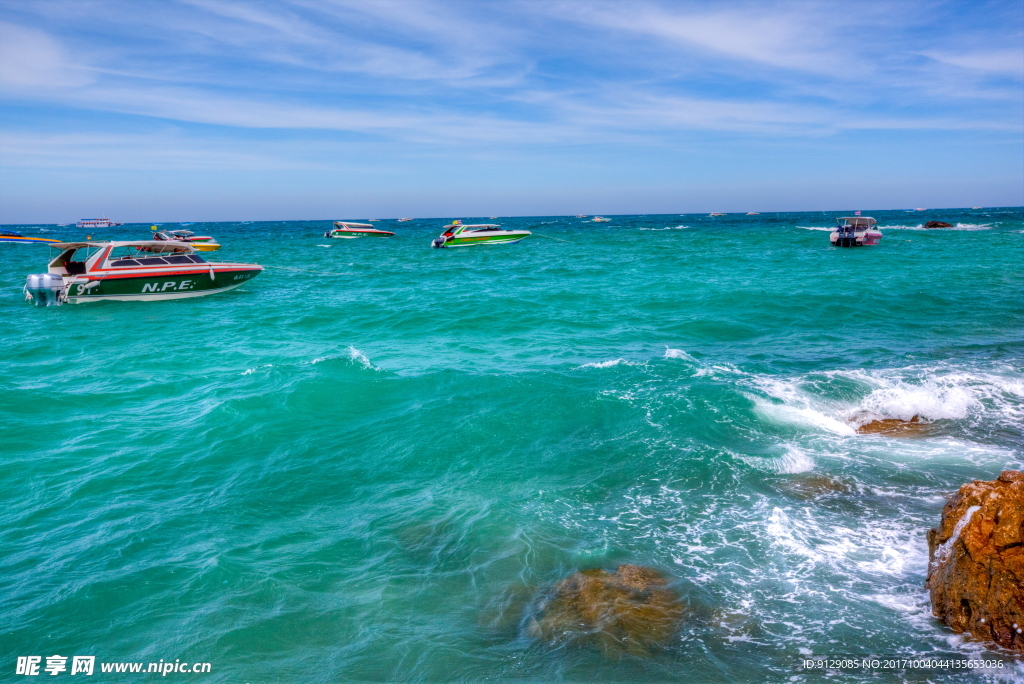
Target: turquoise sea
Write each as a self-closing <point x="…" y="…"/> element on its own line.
<point x="373" y="461"/>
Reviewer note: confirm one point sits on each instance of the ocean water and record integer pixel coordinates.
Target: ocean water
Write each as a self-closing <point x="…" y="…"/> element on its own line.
<point x="371" y="462"/>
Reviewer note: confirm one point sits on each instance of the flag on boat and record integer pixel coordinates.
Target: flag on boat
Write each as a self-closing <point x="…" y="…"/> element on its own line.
<point x="856" y="213"/>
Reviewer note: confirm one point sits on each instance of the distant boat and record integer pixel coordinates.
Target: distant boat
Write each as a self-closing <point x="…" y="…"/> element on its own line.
<point x="11" y="236"/>
<point x="975" y="207"/>
<point x="715" y="213"/>
<point x="373" y="220"/>
<point x="753" y="213"/>
<point x="920" y="209"/>
<point x="600" y="219"/>
<point x="581" y="216"/>
<point x="402" y="220"/>
<point x="97" y="223"/>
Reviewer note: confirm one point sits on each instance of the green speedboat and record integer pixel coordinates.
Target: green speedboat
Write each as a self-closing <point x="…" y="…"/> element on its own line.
<point x="457" y="235"/>
<point x="345" y="229"/>
<point x="143" y="270"/>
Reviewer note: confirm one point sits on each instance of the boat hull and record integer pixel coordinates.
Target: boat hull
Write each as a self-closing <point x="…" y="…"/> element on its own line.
<point x="351" y="234"/>
<point x="205" y="246"/>
<point x="868" y="239"/>
<point x="157" y="287"/>
<point x="459" y="241"/>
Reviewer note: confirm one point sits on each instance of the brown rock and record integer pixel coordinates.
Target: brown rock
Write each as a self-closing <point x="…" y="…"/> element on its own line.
<point x="631" y="611"/>
<point x="808" y="486"/>
<point x="938" y="224"/>
<point x="895" y="427"/>
<point x="976" y="561"/>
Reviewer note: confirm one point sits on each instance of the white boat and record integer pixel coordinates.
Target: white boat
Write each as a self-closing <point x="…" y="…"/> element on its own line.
<point x="403" y="220"/>
<point x="128" y="271"/>
<point x="97" y="223"/>
<point x="458" y="235"/>
<point x="855" y="231"/>
<point x="202" y="243"/>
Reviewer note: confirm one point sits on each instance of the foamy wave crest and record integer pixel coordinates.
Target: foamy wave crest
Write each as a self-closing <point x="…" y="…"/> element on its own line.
<point x="608" y="364"/>
<point x="958" y="226"/>
<point x="841" y="401"/>
<point x="678" y="354"/>
<point x="362" y="359"/>
<point x="353" y="355"/>
<point x="795" y="460"/>
<point x="253" y="370"/>
<point x="826" y="228"/>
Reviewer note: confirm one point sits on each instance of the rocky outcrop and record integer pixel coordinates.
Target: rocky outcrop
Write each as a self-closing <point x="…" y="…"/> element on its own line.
<point x="895" y="427"/>
<point x="631" y="611"/>
<point x="976" y="561"/>
<point x="938" y="224"/>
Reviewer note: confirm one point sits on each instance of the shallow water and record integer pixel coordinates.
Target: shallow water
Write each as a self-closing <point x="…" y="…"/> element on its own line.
<point x="370" y="463"/>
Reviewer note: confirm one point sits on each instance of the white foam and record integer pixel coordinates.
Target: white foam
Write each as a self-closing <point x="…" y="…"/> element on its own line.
<point x="795" y="460"/>
<point x="943" y="552"/>
<point x="827" y="228"/>
<point x="253" y="370"/>
<point x="932" y="393"/>
<point x="328" y="246"/>
<point x="607" y="364"/>
<point x="678" y="354"/>
<point x="958" y="226"/>
<point x="359" y="357"/>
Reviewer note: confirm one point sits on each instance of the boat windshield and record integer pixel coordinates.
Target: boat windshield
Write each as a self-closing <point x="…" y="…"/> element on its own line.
<point x="7" y="233"/>
<point x="123" y="252"/>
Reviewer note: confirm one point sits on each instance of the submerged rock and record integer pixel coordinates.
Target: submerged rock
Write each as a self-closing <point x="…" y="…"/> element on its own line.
<point x="812" y="485"/>
<point x="976" y="561"/>
<point x="895" y="427"/>
<point x="631" y="611"/>
<point x="938" y="224"/>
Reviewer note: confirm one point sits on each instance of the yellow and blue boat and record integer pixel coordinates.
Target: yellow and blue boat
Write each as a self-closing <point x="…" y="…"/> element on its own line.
<point x="10" y="236"/>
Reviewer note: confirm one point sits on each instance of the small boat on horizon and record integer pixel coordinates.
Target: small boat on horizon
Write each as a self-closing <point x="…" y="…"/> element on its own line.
<point x="97" y="223"/>
<point x="715" y="213"/>
<point x="855" y="231"/>
<point x="402" y="220"/>
<point x="458" y="235"/>
<point x="132" y="270"/>
<point x="600" y="219"/>
<point x="11" y="236"/>
<point x="581" y="216"/>
<point x="753" y="213"/>
<point x="346" y="230"/>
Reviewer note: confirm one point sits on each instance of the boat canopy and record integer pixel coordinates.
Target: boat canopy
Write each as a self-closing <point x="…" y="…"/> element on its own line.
<point x="857" y="221"/>
<point x="347" y="224"/>
<point x="156" y="246"/>
<point x="473" y="226"/>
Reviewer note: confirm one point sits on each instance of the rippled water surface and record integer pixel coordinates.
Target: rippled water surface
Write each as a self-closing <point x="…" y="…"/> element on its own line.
<point x="371" y="462"/>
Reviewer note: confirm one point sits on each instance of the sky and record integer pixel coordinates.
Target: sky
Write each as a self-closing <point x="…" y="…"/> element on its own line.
<point x="220" y="110"/>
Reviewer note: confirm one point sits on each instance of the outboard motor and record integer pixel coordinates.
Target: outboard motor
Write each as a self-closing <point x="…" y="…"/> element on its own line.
<point x="439" y="242"/>
<point x="45" y="289"/>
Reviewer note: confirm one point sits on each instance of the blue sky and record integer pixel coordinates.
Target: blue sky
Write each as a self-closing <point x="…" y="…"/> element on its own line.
<point x="320" y="109"/>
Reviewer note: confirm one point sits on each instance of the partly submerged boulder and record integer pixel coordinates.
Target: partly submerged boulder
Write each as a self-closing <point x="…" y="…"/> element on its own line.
<point x="895" y="427"/>
<point x="938" y="224"/>
<point x="976" y="561"/>
<point x="632" y="611"/>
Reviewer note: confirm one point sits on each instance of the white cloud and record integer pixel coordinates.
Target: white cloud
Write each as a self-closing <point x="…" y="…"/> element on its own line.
<point x="1010" y="62"/>
<point x="31" y="58"/>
